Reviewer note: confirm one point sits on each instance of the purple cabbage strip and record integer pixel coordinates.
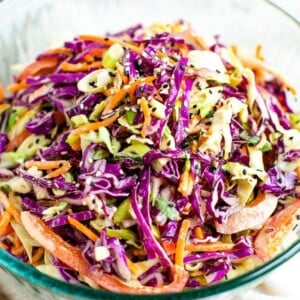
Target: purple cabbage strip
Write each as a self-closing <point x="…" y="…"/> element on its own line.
<point x="61" y="220"/>
<point x="42" y="123"/>
<point x="144" y="193"/>
<point x="173" y="92"/>
<point x="148" y="235"/>
<point x="3" y="142"/>
<point x="183" y="122"/>
<point x="279" y="183"/>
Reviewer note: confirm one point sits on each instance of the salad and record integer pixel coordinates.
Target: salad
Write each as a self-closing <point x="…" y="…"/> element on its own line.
<point x="152" y="160"/>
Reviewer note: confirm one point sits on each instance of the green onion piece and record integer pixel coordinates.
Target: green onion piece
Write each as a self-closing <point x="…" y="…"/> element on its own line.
<point x="252" y="140"/>
<point x="32" y="144"/>
<point x="11" y="159"/>
<point x="122" y="212"/>
<point x="167" y="208"/>
<point x="130" y="116"/>
<point x="137" y="148"/>
<point x="295" y="120"/>
<point x="122" y="234"/>
<point x="112" y="55"/>
<point x="79" y="120"/>
<point x="266" y="147"/>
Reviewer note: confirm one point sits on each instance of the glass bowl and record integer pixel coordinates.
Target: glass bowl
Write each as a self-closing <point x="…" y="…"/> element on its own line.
<point x="30" y="27"/>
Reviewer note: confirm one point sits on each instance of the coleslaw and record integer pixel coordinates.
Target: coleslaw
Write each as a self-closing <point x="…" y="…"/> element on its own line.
<point x="148" y="161"/>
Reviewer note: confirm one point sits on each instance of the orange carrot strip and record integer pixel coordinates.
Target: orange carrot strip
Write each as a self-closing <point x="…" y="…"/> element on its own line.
<point x="46" y="63"/>
<point x="110" y="41"/>
<point x="38" y="254"/>
<point x="119" y="96"/>
<point x="186" y="183"/>
<point x="76" y="146"/>
<point x="10" y="207"/>
<point x="258" y="51"/>
<point x="3" y="106"/>
<point x="94" y="126"/>
<point x="9" y="230"/>
<point x="44" y="165"/>
<point x="169" y="247"/>
<point x="17" y="251"/>
<point x="17" y="86"/>
<point x="198" y="233"/>
<point x="180" y="244"/>
<point x="59" y="51"/>
<point x="94" y="54"/>
<point x="298" y="172"/>
<point x="60" y="171"/>
<point x="133" y="268"/>
<point x="147" y="116"/>
<point x="209" y="247"/>
<point x="79" y="226"/>
<point x="62" y="166"/>
<point x="4" y="222"/>
<point x="79" y="67"/>
<point x="2" y="95"/>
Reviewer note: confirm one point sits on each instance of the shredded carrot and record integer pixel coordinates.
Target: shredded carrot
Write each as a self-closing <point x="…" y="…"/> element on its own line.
<point x="9" y="230"/>
<point x="3" y="106"/>
<point x="4" y="221"/>
<point x="76" y="146"/>
<point x="37" y="255"/>
<point x="186" y="183"/>
<point x="46" y="63"/>
<point x="209" y="247"/>
<point x="94" y="54"/>
<point x="44" y="165"/>
<point x="198" y="233"/>
<point x="120" y="71"/>
<point x="180" y="244"/>
<point x="59" y="51"/>
<point x="94" y="126"/>
<point x="244" y="150"/>
<point x="2" y="94"/>
<point x="133" y="268"/>
<point x="17" y="86"/>
<point x="60" y="171"/>
<point x="298" y="172"/>
<point x="258" y="51"/>
<point x="17" y="242"/>
<point x="62" y="166"/>
<point x="169" y="247"/>
<point x="119" y="96"/>
<point x="82" y="228"/>
<point x="17" y="140"/>
<point x="79" y="67"/>
<point x="110" y="41"/>
<point x="200" y="42"/>
<point x="10" y="207"/>
<point x="17" y="251"/>
<point x="147" y="116"/>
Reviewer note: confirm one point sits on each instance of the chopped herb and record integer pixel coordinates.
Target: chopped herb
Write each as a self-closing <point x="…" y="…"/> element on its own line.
<point x="252" y="140"/>
<point x="167" y="208"/>
<point x="244" y="172"/>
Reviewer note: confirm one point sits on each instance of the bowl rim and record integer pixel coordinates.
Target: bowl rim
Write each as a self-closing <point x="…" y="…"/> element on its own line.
<point x="34" y="276"/>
